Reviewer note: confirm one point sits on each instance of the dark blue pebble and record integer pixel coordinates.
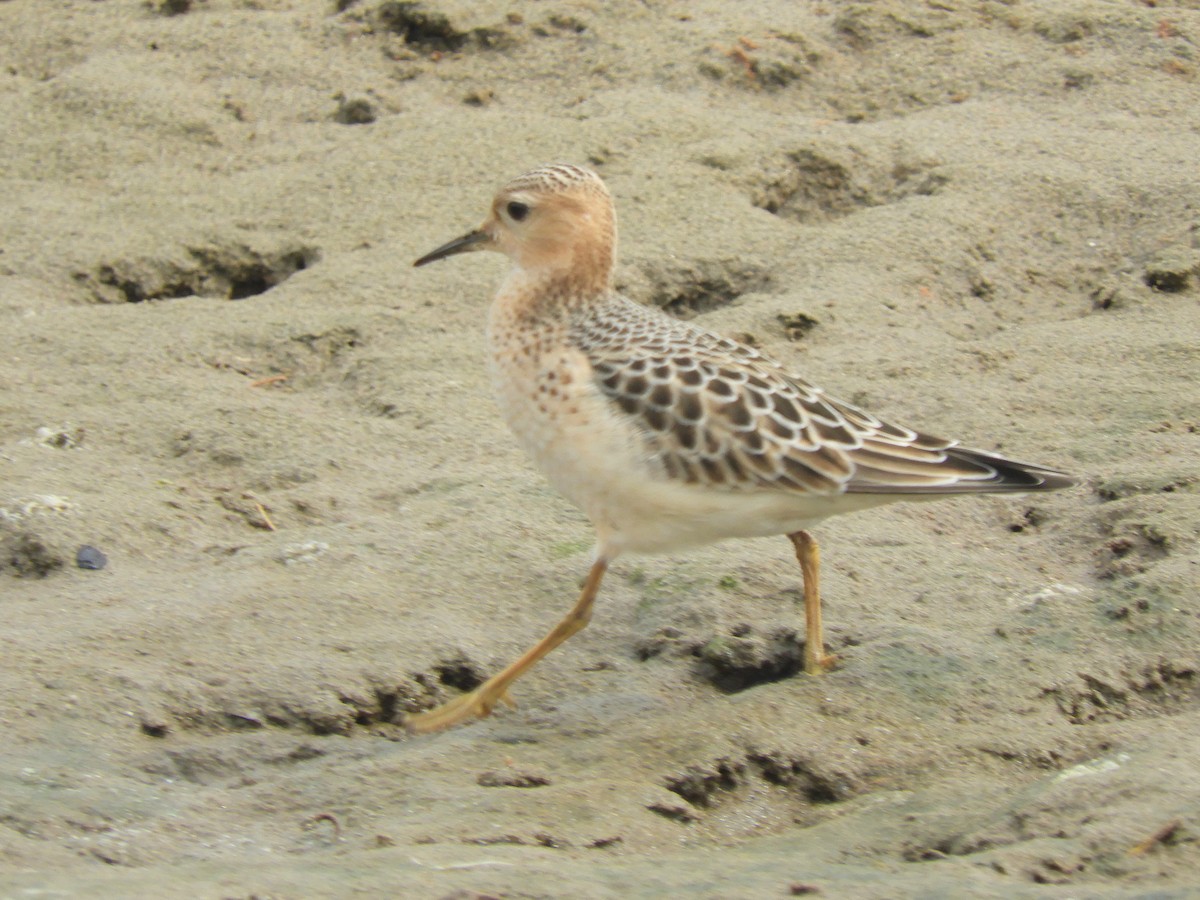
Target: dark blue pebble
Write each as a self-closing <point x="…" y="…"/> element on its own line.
<point x="90" y="558"/>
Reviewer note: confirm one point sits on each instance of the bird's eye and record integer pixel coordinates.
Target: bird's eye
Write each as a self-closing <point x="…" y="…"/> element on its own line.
<point x="517" y="211"/>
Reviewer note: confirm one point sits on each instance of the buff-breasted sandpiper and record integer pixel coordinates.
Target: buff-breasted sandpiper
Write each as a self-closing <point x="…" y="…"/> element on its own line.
<point x="668" y="436"/>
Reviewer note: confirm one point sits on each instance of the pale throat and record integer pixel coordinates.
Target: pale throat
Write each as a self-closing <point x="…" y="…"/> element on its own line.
<point x="565" y="274"/>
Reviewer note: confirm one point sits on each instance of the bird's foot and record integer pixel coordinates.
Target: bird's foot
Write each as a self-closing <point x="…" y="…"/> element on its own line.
<point x="820" y="663"/>
<point x="478" y="704"/>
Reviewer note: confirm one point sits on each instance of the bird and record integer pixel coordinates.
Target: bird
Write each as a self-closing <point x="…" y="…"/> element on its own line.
<point x="668" y="436"/>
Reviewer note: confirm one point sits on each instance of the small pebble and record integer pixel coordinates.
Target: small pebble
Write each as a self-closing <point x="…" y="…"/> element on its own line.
<point x="89" y="557"/>
<point x="354" y="110"/>
<point x="302" y="553"/>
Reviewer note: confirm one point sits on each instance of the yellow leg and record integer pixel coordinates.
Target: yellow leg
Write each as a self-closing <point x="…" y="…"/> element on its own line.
<point x="480" y="702"/>
<point x="816" y="660"/>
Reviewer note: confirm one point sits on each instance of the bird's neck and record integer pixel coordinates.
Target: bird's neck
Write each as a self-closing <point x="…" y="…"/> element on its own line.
<point x="547" y="293"/>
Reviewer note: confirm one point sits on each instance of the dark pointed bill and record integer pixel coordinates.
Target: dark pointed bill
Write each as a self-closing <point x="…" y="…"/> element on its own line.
<point x="462" y="244"/>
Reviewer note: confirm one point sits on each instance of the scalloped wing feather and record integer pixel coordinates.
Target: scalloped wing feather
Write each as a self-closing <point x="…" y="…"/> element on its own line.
<point x="716" y="413"/>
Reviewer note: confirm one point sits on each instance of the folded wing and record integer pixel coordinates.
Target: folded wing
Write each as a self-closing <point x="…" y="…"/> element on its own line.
<point x="716" y="413"/>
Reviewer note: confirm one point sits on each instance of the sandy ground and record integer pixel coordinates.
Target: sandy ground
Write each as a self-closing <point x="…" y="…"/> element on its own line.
<point x="220" y="370"/>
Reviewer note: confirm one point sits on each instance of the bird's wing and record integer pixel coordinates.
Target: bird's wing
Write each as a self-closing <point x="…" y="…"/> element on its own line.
<point x="716" y="413"/>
